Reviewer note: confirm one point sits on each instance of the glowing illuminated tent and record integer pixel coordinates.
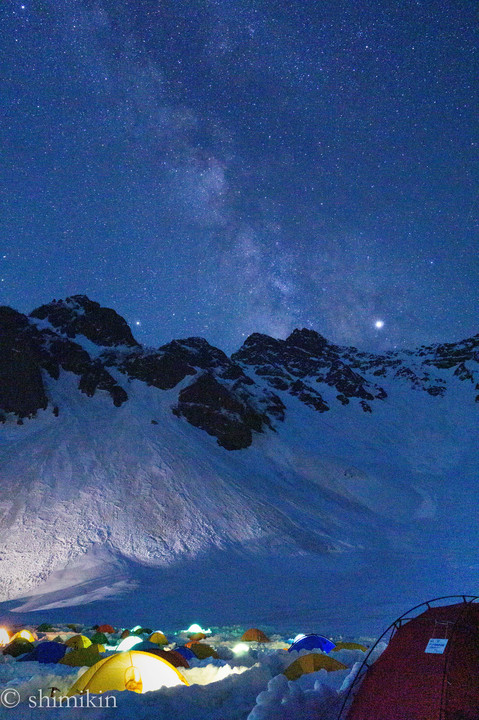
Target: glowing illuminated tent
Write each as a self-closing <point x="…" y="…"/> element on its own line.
<point x="4" y="637"/>
<point x="136" y="671"/>
<point x="84" y="656"/>
<point x="24" y="635"/>
<point x="129" y="642"/>
<point x="195" y="628"/>
<point x="159" y="638"/>
<point x="255" y="635"/>
<point x="77" y="642"/>
<point x="312" y="663"/>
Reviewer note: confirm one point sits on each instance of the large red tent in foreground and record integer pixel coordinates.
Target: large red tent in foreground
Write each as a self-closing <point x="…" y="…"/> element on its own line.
<point x="429" y="670"/>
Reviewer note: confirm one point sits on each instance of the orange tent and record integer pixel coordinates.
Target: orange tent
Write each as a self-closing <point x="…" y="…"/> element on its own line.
<point x="255" y="635"/>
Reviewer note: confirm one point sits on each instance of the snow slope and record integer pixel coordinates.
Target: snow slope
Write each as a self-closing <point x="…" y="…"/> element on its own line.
<point x="339" y="517"/>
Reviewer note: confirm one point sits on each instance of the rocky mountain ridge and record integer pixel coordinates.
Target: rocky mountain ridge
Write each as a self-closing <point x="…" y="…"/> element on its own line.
<point x="231" y="398"/>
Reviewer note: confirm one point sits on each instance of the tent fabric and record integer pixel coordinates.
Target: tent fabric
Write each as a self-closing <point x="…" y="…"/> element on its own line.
<point x="99" y="638"/>
<point x="106" y="629"/>
<point x="312" y="663"/>
<point x="132" y="670"/>
<point x="187" y="653"/>
<point x="141" y="631"/>
<point x="194" y="637"/>
<point x="171" y="656"/>
<point x="24" y="635"/>
<point x="46" y="652"/>
<point x="84" y="656"/>
<point x="255" y="635"/>
<point x="159" y="638"/>
<point x="406" y="682"/>
<point x="349" y="646"/>
<point x="203" y="651"/>
<point x="144" y="646"/>
<point x="18" y="647"/>
<point x="77" y="642"/>
<point x="312" y="642"/>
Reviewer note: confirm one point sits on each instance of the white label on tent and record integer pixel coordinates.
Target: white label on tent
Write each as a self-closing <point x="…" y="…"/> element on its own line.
<point x="436" y="646"/>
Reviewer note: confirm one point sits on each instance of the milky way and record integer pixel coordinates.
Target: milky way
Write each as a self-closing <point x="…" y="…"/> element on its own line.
<point x="218" y="168"/>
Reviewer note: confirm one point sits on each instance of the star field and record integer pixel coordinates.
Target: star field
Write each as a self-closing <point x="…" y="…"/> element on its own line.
<point x="220" y="168"/>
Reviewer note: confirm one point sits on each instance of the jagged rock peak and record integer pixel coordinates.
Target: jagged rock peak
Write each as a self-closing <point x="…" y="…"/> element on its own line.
<point x="78" y="315"/>
<point x="305" y="339"/>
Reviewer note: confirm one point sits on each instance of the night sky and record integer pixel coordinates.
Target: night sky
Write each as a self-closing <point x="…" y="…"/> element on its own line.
<point x="222" y="167"/>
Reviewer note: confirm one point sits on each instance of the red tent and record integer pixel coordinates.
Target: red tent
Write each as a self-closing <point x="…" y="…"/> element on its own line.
<point x="429" y="670"/>
<point x="106" y="629"/>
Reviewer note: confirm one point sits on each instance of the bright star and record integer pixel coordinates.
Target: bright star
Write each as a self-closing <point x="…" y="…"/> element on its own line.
<point x="379" y="324"/>
<point x="137" y="322"/>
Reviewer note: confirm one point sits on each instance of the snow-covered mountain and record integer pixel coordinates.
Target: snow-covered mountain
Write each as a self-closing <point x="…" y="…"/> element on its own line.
<point x="291" y="458"/>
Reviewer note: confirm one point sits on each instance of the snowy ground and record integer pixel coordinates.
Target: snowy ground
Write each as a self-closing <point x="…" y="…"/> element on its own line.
<point x="244" y="684"/>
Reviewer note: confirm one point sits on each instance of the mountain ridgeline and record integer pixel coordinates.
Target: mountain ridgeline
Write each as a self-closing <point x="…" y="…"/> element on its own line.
<point x="231" y="398"/>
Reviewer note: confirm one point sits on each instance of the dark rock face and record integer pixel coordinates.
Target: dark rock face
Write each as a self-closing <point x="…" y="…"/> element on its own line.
<point x="297" y="364"/>
<point x="209" y="405"/>
<point x="21" y="385"/>
<point x="26" y="351"/>
<point x="78" y="315"/>
<point x="229" y="398"/>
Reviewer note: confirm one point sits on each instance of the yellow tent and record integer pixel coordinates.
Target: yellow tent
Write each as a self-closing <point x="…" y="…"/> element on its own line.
<point x="83" y="656"/>
<point x="312" y="663"/>
<point x="349" y="646"/>
<point x="24" y="635"/>
<point x="255" y="635"/>
<point x="77" y="642"/>
<point x="159" y="638"/>
<point x="133" y="670"/>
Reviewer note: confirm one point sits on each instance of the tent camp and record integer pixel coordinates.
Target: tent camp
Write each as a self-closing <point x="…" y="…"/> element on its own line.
<point x="312" y="663"/>
<point x="136" y="671"/>
<point x="429" y="670"/>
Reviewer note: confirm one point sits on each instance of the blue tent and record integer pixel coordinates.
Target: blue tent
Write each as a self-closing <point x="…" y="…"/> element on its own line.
<point x="312" y="642"/>
<point x="186" y="652"/>
<point x="46" y="652"/>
